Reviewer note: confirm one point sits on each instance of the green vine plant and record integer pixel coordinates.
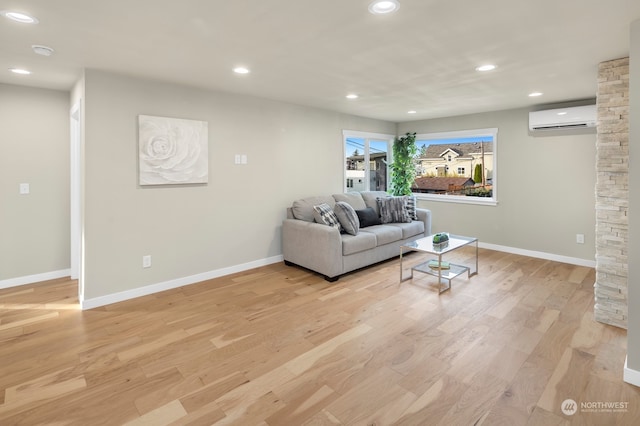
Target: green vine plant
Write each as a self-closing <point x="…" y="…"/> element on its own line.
<point x="403" y="171"/>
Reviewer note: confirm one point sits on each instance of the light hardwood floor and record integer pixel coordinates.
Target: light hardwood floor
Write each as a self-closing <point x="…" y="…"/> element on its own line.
<point x="280" y="346"/>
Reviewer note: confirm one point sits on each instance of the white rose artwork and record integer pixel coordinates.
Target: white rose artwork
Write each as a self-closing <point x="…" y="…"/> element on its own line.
<point x="173" y="151"/>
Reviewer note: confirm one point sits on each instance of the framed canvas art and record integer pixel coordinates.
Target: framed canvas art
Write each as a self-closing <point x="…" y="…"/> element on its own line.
<point x="172" y="151"/>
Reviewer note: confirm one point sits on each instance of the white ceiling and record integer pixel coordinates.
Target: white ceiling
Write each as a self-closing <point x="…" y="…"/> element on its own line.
<point x="315" y="52"/>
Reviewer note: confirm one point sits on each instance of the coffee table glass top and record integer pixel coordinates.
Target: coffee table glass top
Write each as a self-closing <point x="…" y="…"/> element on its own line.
<point x="426" y="244"/>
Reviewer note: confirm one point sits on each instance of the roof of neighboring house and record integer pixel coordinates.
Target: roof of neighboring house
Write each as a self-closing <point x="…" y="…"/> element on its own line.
<point x="462" y="149"/>
<point x="441" y="183"/>
<point x="372" y="156"/>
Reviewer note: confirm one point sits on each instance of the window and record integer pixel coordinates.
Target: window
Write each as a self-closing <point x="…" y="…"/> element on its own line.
<point x="457" y="166"/>
<point x="366" y="160"/>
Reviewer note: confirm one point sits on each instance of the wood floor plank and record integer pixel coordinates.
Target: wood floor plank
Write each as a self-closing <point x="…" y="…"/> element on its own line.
<point x="474" y="405"/>
<point x="279" y="345"/>
<point x="431" y="406"/>
<point x="518" y="402"/>
<point x="305" y="361"/>
<point x="306" y="403"/>
<point x="164" y="415"/>
<point x="361" y="400"/>
<point x="569" y="378"/>
<point x="540" y="417"/>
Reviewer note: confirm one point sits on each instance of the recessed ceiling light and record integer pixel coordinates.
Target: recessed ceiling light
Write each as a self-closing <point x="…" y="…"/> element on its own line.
<point x="352" y="96"/>
<point x="42" y="50"/>
<point x="20" y="71"/>
<point x="535" y="94"/>
<point x="411" y="112"/>
<point x="562" y="113"/>
<point x="380" y="7"/>
<point x="241" y="70"/>
<point x="487" y="67"/>
<point x="20" y="17"/>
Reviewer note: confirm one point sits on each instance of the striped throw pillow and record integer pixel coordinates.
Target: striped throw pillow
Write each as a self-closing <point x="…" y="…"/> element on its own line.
<point x="410" y="202"/>
<point x="322" y="213"/>
<point x="347" y="217"/>
<point x="393" y="209"/>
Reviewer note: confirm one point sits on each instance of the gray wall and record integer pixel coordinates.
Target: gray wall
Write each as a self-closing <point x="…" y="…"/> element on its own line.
<point x="34" y="149"/>
<point x="633" y="330"/>
<point x="545" y="188"/>
<point x="292" y="151"/>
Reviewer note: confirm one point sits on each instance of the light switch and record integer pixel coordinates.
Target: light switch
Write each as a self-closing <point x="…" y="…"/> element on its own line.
<point x="243" y="159"/>
<point x="24" y="188"/>
<point x="238" y="158"/>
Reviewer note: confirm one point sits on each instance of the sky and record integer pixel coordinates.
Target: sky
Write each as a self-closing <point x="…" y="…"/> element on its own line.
<point x="380" y="146"/>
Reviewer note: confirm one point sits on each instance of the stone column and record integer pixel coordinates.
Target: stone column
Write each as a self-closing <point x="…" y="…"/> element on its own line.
<point x="612" y="193"/>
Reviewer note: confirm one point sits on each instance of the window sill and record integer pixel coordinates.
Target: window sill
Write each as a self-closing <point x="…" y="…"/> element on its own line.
<point x="458" y="199"/>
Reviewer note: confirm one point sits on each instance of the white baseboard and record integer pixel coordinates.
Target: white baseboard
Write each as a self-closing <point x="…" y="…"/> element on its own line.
<point x="192" y="279"/>
<point x="171" y="284"/>
<point x="30" y="279"/>
<point x="540" y="255"/>
<point x="631" y="376"/>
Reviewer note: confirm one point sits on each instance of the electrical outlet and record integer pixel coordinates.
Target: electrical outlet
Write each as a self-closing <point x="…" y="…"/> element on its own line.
<point x="24" y="189"/>
<point x="580" y="238"/>
<point x="146" y="261"/>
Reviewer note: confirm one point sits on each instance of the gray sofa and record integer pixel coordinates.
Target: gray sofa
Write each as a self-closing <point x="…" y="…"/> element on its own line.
<point x="324" y="249"/>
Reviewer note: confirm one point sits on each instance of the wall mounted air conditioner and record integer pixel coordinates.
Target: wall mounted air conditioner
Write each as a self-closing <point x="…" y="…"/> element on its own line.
<point x="581" y="117"/>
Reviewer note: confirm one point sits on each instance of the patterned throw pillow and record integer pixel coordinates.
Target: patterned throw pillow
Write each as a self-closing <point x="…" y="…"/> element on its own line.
<point x="393" y="209"/>
<point x="410" y="202"/>
<point x="322" y="213"/>
<point x="347" y="217"/>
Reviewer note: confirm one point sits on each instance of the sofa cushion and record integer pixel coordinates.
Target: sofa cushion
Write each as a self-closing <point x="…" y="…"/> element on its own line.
<point x="368" y="217"/>
<point x="347" y="217"/>
<point x="303" y="209"/>
<point x="356" y="243"/>
<point x="370" y="199"/>
<point x="325" y="215"/>
<point x="411" y="229"/>
<point x="385" y="234"/>
<point x="393" y="210"/>
<point x="354" y="199"/>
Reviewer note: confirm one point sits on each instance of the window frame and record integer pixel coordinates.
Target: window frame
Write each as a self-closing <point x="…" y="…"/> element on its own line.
<point x="463" y="199"/>
<point x="367" y="136"/>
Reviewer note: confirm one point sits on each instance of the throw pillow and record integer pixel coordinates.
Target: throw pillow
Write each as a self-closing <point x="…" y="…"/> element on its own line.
<point x="410" y="201"/>
<point x="347" y="217"/>
<point x="322" y="213"/>
<point x="393" y="209"/>
<point x="368" y="217"/>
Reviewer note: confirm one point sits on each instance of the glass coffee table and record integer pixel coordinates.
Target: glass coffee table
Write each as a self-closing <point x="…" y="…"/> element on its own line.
<point x="426" y="245"/>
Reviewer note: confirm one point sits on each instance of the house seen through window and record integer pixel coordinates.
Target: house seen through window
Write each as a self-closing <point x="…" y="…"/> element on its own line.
<point x="366" y="160"/>
<point x="457" y="166"/>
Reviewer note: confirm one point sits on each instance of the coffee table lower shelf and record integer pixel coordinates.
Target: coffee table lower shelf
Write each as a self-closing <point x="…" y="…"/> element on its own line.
<point x="426" y="245"/>
<point x="442" y="274"/>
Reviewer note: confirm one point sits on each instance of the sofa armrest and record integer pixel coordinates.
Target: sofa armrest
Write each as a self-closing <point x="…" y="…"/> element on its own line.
<point x="312" y="245"/>
<point x="425" y="216"/>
